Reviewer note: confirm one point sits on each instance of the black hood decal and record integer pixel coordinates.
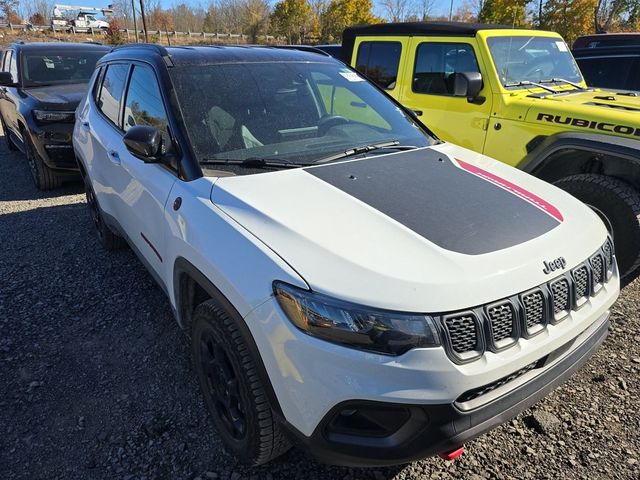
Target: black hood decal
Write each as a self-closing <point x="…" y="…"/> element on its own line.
<point x="456" y="209"/>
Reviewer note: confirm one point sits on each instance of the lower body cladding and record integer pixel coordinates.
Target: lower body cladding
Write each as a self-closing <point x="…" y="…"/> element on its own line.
<point x="354" y="408"/>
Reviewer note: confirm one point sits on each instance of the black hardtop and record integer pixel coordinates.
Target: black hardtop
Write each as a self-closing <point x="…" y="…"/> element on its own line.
<point x="213" y="54"/>
<point x="59" y="46"/>
<point x="421" y="28"/>
<point x="457" y="29"/>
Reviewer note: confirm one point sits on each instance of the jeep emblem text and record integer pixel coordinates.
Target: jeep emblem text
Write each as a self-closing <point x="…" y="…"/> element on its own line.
<point x="557" y="264"/>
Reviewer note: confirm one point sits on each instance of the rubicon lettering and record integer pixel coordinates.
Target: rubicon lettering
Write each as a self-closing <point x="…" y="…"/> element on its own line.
<point x="591" y="124"/>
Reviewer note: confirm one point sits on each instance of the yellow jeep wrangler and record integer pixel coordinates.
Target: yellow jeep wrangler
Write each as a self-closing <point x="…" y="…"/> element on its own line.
<point x="517" y="96"/>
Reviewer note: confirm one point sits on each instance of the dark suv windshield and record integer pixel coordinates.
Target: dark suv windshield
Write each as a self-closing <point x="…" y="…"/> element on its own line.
<point x="293" y="111"/>
<point x="532" y="59"/>
<point x="51" y="67"/>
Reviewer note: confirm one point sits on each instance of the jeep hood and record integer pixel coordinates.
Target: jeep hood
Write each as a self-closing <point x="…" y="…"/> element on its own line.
<point x="432" y="229"/>
<point x="599" y="111"/>
<point x="59" y="97"/>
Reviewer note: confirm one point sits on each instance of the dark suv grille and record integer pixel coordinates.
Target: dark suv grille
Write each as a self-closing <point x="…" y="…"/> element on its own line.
<point x="498" y="325"/>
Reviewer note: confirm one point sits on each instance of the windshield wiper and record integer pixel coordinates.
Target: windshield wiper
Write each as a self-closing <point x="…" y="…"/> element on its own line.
<point x="391" y="145"/>
<point x="254" y="162"/>
<point x="527" y="83"/>
<point x="562" y="80"/>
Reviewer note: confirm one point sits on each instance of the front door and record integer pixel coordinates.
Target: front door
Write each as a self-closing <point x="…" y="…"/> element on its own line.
<point x="431" y="63"/>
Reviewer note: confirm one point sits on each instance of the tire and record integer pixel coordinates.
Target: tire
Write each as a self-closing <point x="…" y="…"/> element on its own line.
<point x="109" y="240"/>
<point x="618" y="204"/>
<point x="7" y="137"/>
<point x="43" y="176"/>
<point x="233" y="392"/>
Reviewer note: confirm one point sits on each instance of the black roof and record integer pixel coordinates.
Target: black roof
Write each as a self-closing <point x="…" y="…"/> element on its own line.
<point x="421" y="28"/>
<point x="599" y="40"/>
<point x="213" y="54"/>
<point x="60" y="46"/>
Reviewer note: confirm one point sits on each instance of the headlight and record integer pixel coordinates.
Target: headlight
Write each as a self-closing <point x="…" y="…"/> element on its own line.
<point x="355" y="326"/>
<point x="54" y="116"/>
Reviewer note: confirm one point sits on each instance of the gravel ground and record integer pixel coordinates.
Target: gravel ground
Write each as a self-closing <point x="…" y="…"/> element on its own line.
<point x="96" y="380"/>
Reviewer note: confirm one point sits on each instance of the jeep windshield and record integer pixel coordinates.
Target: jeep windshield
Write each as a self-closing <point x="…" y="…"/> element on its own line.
<point x="50" y="67"/>
<point x="284" y="114"/>
<point x="523" y="61"/>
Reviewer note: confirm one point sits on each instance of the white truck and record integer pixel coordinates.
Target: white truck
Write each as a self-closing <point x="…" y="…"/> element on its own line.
<point x="85" y="18"/>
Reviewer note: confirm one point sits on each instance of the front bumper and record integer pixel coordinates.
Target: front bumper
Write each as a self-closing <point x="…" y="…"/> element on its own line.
<point x="54" y="145"/>
<point x="366" y="433"/>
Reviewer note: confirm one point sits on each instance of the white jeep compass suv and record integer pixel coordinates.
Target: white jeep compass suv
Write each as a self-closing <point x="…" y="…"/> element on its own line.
<point x="350" y="283"/>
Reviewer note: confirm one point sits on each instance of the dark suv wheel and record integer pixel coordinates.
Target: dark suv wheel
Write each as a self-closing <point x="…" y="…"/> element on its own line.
<point x="233" y="392"/>
<point x="43" y="176"/>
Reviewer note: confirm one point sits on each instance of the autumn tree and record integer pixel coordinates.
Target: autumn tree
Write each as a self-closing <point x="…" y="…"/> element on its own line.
<point x="570" y="18"/>
<point x="8" y="9"/>
<point x="342" y="13"/>
<point x="506" y="12"/>
<point x="292" y="18"/>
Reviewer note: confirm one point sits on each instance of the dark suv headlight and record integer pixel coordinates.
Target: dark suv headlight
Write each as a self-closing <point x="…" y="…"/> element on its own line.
<point x="356" y="326"/>
<point x="51" y="116"/>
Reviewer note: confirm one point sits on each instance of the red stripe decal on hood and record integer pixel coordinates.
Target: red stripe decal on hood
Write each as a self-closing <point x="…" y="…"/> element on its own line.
<point x="513" y="188"/>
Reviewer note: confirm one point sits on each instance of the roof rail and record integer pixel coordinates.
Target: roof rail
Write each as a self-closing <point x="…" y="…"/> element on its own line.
<point x="152" y="46"/>
<point x="303" y="48"/>
<point x="93" y="42"/>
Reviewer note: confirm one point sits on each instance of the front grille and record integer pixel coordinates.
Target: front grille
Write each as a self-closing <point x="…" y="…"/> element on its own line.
<point x="533" y="308"/>
<point x="478" y="392"/>
<point x="581" y="280"/>
<point x="560" y="295"/>
<point x="463" y="333"/>
<point x="597" y="266"/>
<point x="497" y="326"/>
<point x="501" y="319"/>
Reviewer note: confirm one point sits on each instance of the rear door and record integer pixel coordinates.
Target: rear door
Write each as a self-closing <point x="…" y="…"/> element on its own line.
<point x="382" y="61"/>
<point x="431" y="65"/>
<point x="8" y="95"/>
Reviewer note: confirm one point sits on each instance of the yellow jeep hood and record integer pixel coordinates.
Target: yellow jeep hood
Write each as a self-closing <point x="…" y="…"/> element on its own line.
<point x="596" y="111"/>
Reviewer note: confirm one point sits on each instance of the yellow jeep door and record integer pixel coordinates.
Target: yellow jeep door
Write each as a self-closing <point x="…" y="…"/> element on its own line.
<point x="430" y="67"/>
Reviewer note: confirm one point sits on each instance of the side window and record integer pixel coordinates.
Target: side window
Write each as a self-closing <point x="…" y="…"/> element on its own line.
<point x="437" y="62"/>
<point x="112" y="90"/>
<point x="606" y="72"/>
<point x="5" y="60"/>
<point x="96" y="84"/>
<point x="379" y="61"/>
<point x="143" y="105"/>
<point x="13" y="67"/>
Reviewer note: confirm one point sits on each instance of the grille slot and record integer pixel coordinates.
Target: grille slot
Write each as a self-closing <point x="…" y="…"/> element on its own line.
<point x="581" y="282"/>
<point x="597" y="266"/>
<point x="561" y="298"/>
<point x="480" y="391"/>
<point x="501" y="318"/>
<point x="607" y="249"/>
<point x="533" y="308"/>
<point x="463" y="332"/>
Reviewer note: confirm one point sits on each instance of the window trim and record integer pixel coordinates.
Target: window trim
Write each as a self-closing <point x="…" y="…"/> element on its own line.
<point x="415" y="64"/>
<point x="364" y="42"/>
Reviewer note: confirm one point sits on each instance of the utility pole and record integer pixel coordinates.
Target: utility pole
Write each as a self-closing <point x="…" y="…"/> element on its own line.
<point x="135" y="22"/>
<point x="451" y="11"/>
<point x="144" y="22"/>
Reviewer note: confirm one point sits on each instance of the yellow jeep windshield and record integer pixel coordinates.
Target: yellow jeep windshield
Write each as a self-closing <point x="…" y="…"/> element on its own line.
<point x="523" y="59"/>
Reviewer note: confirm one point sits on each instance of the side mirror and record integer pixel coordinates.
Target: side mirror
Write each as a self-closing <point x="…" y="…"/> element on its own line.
<point x="145" y="143"/>
<point x="6" y="79"/>
<point x="467" y="84"/>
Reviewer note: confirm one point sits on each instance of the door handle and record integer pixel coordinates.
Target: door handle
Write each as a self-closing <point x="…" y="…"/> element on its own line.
<point x="114" y="157"/>
<point x="86" y="125"/>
